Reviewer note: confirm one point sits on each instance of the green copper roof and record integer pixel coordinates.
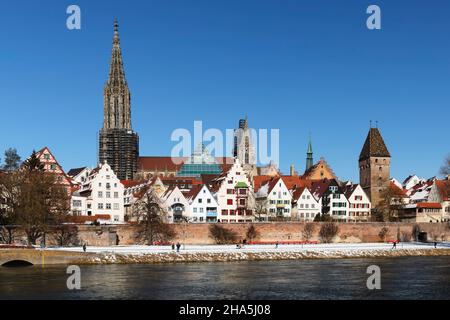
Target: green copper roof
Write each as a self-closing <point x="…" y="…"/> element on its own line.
<point x="241" y="184"/>
<point x="310" y="147"/>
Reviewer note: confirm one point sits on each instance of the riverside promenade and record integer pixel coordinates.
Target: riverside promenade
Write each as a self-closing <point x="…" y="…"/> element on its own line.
<point x="212" y="253"/>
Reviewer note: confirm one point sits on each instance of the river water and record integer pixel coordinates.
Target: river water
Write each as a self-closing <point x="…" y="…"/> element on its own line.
<point x="401" y="278"/>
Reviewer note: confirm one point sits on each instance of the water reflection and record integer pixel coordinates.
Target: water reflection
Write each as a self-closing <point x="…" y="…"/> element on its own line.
<point x="402" y="278"/>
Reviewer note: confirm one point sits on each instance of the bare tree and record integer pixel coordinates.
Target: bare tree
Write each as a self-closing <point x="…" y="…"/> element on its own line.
<point x="151" y="216"/>
<point x="383" y="233"/>
<point x="222" y="235"/>
<point x="9" y="197"/>
<point x="43" y="204"/>
<point x="445" y="169"/>
<point x="328" y="231"/>
<point x="308" y="231"/>
<point x="252" y="233"/>
<point x="35" y="201"/>
<point x="65" y="234"/>
<point x="260" y="211"/>
<point x="389" y="207"/>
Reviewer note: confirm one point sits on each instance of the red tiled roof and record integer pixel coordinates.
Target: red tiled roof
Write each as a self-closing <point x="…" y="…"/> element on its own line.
<point x="164" y="163"/>
<point x="193" y="192"/>
<point x="131" y="183"/>
<point x="429" y="205"/>
<point x="297" y="193"/>
<point x="161" y="163"/>
<point x="397" y="191"/>
<point x="258" y="181"/>
<point x="349" y="189"/>
<point x="273" y="183"/>
<point x="319" y="187"/>
<point x="293" y="182"/>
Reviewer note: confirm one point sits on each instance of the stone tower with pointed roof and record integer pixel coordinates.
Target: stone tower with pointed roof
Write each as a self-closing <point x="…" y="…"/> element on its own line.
<point x="374" y="166"/>
<point x="118" y="144"/>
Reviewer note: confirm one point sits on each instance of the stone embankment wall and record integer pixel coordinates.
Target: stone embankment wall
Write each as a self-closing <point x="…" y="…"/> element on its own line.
<point x="268" y="232"/>
<point x="199" y="233"/>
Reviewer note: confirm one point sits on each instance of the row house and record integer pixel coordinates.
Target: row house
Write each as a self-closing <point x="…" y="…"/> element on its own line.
<point x="421" y="212"/>
<point x="359" y="203"/>
<point x="422" y="200"/>
<point x="203" y="206"/>
<point x="176" y="205"/>
<point x="276" y="198"/>
<point x="305" y="206"/>
<point x="233" y="191"/>
<point x="332" y="199"/>
<point x="101" y="195"/>
<point x="440" y="194"/>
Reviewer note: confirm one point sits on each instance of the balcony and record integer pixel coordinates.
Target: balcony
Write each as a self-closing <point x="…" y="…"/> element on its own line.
<point x="211" y="214"/>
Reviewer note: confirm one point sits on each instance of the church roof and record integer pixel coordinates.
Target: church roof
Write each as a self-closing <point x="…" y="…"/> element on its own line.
<point x="374" y="145"/>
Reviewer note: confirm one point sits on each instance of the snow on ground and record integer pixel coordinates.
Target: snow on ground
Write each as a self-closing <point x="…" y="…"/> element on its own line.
<point x="190" y="249"/>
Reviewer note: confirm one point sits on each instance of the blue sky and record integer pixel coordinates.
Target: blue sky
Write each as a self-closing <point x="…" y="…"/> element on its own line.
<point x="299" y="66"/>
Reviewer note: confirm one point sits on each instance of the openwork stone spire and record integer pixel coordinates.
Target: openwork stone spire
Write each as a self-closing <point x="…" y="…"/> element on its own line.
<point x="117" y="99"/>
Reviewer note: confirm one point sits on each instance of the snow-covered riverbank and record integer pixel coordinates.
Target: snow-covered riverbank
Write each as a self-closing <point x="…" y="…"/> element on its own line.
<point x="196" y="253"/>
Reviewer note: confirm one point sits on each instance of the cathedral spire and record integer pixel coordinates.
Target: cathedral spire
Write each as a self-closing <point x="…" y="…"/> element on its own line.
<point x="118" y="144"/>
<point x="117" y="110"/>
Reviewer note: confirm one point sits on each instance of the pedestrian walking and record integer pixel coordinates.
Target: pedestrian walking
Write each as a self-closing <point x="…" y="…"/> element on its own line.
<point x="435" y="244"/>
<point x="84" y="247"/>
<point x="394" y="245"/>
<point x="276" y="245"/>
<point x="173" y="246"/>
<point x="178" y="246"/>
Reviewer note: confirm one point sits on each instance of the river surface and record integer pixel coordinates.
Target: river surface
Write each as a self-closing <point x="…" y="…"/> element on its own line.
<point x="401" y="278"/>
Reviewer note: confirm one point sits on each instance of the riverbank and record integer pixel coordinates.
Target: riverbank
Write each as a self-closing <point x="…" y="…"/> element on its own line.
<point x="228" y="253"/>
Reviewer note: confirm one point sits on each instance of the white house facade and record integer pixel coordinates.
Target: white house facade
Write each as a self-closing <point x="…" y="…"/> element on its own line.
<point x="176" y="205"/>
<point x="305" y="206"/>
<point x="104" y="195"/>
<point x="203" y="205"/>
<point x="359" y="203"/>
<point x="234" y="193"/>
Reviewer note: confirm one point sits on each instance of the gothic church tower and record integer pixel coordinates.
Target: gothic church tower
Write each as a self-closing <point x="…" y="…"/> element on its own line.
<point x="118" y="144"/>
<point x="244" y="149"/>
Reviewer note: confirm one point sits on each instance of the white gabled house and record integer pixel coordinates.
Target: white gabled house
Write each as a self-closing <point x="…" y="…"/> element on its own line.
<point x="332" y="199"/>
<point x="359" y="203"/>
<point x="101" y="196"/>
<point x="203" y="205"/>
<point x="304" y="205"/>
<point x="277" y="198"/>
<point x="176" y="205"/>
